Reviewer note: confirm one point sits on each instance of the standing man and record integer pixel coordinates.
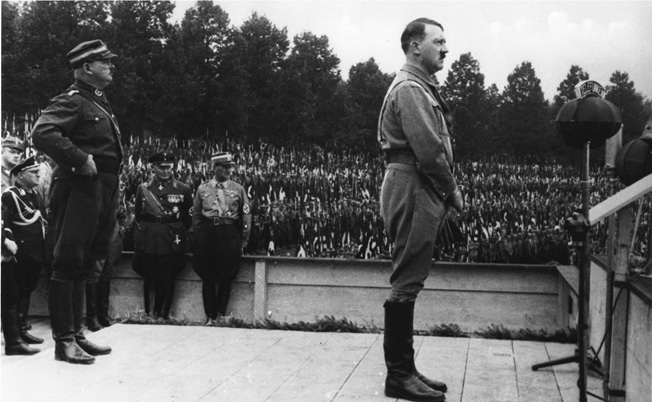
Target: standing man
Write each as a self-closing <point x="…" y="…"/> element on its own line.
<point x="22" y="210"/>
<point x="79" y="132"/>
<point x="163" y="218"/>
<point x="417" y="192"/>
<point x="221" y="221"/>
<point x="12" y="150"/>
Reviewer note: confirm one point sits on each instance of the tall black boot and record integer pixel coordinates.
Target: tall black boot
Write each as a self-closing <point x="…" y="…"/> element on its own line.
<point x="23" y="308"/>
<point x="14" y="345"/>
<point x="210" y="301"/>
<point x="402" y="380"/>
<point x="78" y="291"/>
<point x="158" y="298"/>
<point x="223" y="296"/>
<point x="146" y="296"/>
<point x="168" y="295"/>
<point x="60" y="302"/>
<point x="91" y="307"/>
<point x="103" y="294"/>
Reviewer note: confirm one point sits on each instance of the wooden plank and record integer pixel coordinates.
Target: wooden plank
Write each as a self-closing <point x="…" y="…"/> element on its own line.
<point x="367" y="382"/>
<point x="534" y="386"/>
<point x="620" y="199"/>
<point x="490" y="372"/>
<point x="444" y="359"/>
<point x="323" y="374"/>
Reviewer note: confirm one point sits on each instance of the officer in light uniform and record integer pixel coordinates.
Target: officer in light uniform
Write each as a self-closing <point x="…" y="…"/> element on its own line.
<point x="12" y="150"/>
<point x="222" y="223"/>
<point x="163" y="217"/>
<point x="23" y="210"/>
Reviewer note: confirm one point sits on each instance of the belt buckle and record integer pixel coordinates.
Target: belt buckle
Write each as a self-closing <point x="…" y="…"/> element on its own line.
<point x="216" y="220"/>
<point x="159" y="219"/>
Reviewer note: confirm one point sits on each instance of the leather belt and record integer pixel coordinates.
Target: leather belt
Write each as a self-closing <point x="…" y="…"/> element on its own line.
<point x="406" y="159"/>
<point x="218" y="221"/>
<point x="159" y="219"/>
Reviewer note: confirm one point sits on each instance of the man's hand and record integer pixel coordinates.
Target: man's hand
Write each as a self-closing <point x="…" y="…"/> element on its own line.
<point x="88" y="168"/>
<point x="456" y="201"/>
<point x="11" y="246"/>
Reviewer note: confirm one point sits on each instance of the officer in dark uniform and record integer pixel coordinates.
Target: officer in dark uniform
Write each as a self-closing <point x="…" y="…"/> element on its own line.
<point x="162" y="210"/>
<point x="14" y="344"/>
<point x="79" y="132"/>
<point x="221" y="221"/>
<point x="23" y="211"/>
<point x="12" y="151"/>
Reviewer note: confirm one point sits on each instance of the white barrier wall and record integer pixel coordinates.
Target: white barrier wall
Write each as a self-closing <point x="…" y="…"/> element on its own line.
<point x="285" y="289"/>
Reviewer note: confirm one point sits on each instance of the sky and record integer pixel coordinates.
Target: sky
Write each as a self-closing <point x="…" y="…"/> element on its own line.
<point x="601" y="37"/>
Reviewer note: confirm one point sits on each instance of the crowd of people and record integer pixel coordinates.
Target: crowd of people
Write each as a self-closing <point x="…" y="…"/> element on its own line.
<point x="319" y="203"/>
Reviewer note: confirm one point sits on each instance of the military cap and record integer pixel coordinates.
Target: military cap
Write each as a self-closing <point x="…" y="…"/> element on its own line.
<point x="161" y="157"/>
<point x="13" y="142"/>
<point x="25" y="164"/>
<point x="222" y="158"/>
<point x="88" y="51"/>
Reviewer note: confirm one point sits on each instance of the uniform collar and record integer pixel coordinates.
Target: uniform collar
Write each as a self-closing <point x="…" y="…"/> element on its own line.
<point x="97" y="93"/>
<point x="419" y="71"/>
<point x="220" y="184"/>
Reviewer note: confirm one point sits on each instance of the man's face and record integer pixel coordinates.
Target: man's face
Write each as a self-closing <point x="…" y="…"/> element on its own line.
<point x="433" y="49"/>
<point x="163" y="171"/>
<point x="29" y="178"/>
<point x="10" y="156"/>
<point x="102" y="71"/>
<point x="223" y="172"/>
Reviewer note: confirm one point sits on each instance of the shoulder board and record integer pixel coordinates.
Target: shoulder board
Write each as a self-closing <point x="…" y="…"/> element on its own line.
<point x="72" y="92"/>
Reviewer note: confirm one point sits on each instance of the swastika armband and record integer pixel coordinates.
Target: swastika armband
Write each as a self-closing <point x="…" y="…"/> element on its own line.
<point x="245" y="209"/>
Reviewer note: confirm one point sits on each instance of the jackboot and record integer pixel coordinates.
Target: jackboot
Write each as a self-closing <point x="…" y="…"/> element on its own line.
<point x="168" y="295"/>
<point x="60" y="302"/>
<point x="91" y="307"/>
<point x="402" y="380"/>
<point x="78" y="290"/>
<point x="14" y="345"/>
<point x="223" y="296"/>
<point x="146" y="296"/>
<point x="158" y="299"/>
<point x="23" y="308"/>
<point x="103" y="294"/>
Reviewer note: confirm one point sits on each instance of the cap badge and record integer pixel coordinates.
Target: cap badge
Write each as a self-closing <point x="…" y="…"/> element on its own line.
<point x="98" y="92"/>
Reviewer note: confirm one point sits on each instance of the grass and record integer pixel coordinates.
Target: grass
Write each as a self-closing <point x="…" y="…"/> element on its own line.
<point x="332" y="324"/>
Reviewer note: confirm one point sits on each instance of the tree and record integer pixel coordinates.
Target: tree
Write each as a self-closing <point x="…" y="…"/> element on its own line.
<point x="205" y="39"/>
<point x="365" y="91"/>
<point x="566" y="88"/>
<point x="465" y="94"/>
<point x="44" y="32"/>
<point x="138" y="34"/>
<point x="312" y="76"/>
<point x="263" y="56"/>
<point x="635" y="111"/>
<point x="523" y="113"/>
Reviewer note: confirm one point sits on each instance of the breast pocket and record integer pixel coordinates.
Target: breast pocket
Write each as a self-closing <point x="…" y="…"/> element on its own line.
<point x="94" y="122"/>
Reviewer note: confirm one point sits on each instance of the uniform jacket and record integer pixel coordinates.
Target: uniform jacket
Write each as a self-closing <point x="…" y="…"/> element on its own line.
<point x="223" y="200"/>
<point x="6" y="178"/>
<point x="22" y="212"/>
<point x="415" y="119"/>
<point x="75" y="125"/>
<point x="169" y="235"/>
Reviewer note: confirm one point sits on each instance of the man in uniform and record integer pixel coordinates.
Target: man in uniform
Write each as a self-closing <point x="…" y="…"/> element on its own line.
<point x="417" y="192"/>
<point x="79" y="132"/>
<point x="162" y="210"/>
<point x="14" y="344"/>
<point x="221" y="221"/>
<point x="22" y="211"/>
<point x="12" y="150"/>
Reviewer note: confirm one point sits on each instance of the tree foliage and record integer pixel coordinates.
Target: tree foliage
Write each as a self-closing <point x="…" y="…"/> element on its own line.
<point x="204" y="78"/>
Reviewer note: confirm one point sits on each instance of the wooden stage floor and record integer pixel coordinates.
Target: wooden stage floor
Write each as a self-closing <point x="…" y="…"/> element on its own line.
<point x="192" y="363"/>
